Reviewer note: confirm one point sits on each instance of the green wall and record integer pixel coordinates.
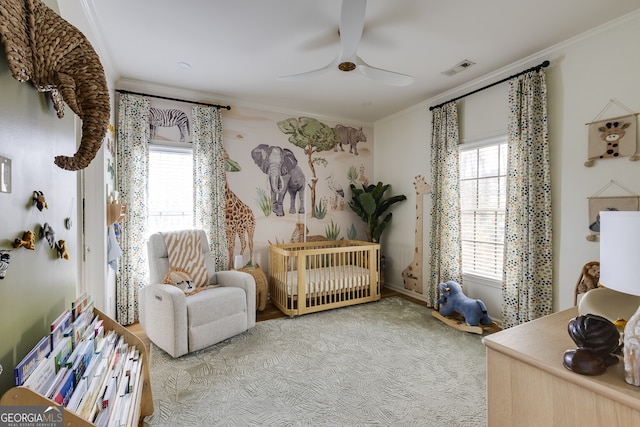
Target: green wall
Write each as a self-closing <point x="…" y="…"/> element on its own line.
<point x="38" y="285"/>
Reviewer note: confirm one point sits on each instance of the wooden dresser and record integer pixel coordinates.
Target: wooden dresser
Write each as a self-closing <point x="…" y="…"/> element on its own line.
<point x="528" y="386"/>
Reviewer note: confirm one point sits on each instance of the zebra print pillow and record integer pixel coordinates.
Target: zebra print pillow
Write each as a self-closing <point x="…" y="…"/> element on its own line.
<point x="185" y="253"/>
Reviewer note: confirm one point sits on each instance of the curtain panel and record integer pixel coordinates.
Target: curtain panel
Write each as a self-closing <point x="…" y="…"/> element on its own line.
<point x="445" y="243"/>
<point x="132" y="171"/>
<point x="210" y="181"/>
<point x="528" y="258"/>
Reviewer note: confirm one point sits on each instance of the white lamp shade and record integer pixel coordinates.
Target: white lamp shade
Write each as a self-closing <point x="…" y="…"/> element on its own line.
<point x="620" y="251"/>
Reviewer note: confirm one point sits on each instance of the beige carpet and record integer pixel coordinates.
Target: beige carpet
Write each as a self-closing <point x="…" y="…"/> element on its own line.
<point x="386" y="363"/>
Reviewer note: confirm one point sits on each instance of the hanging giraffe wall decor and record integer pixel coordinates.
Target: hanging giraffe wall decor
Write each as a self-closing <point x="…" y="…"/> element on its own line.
<point x="412" y="275"/>
<point x="614" y="137"/>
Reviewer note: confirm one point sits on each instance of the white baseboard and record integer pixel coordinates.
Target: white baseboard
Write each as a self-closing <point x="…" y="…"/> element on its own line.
<point x="406" y="292"/>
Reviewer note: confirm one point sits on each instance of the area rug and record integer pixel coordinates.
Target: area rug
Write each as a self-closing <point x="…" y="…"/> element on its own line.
<point x="385" y="363"/>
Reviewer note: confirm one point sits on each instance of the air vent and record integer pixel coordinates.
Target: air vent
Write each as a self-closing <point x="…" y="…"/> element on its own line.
<point x="458" y="67"/>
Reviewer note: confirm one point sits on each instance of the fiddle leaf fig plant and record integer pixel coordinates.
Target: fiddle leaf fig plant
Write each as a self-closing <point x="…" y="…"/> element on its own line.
<point x="370" y="205"/>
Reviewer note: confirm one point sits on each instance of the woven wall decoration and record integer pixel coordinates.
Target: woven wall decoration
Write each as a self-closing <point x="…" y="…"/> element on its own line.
<point x="598" y="203"/>
<point x="56" y="57"/>
<point x="614" y="137"/>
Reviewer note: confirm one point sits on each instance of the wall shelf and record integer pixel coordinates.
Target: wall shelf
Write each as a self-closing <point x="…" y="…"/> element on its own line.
<point x="115" y="213"/>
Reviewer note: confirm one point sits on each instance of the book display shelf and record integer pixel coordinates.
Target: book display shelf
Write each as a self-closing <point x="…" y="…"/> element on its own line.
<point x="101" y="390"/>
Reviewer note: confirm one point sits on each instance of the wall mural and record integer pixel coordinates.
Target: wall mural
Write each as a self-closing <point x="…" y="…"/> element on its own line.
<point x="298" y="175"/>
<point x="170" y="121"/>
<point x="350" y="136"/>
<point x="239" y="221"/>
<point x="282" y="174"/>
<point x="285" y="176"/>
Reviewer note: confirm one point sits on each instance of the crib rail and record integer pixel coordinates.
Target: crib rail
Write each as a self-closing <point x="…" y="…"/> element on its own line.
<point x="315" y="276"/>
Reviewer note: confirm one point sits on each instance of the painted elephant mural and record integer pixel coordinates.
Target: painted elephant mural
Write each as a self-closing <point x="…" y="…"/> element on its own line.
<point x="56" y="57"/>
<point x="350" y="136"/>
<point x="281" y="165"/>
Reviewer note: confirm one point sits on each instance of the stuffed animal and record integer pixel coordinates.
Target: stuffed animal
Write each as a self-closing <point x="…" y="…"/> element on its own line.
<point x="61" y="247"/>
<point x="4" y="263"/>
<point x="453" y="300"/>
<point x="28" y="241"/>
<point x="590" y="277"/>
<point x="39" y="200"/>
<point x="47" y="232"/>
<point x="181" y="279"/>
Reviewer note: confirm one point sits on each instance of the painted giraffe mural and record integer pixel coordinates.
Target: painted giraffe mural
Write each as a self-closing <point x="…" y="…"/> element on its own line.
<point x="238" y="216"/>
<point x="412" y="275"/>
<point x="239" y="221"/>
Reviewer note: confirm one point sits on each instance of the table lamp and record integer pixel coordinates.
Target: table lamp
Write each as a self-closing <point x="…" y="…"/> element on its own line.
<point x="604" y="300"/>
<point x="620" y="271"/>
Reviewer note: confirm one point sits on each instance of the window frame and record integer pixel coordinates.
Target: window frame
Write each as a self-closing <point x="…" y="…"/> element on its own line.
<point x="471" y="276"/>
<point x="170" y="147"/>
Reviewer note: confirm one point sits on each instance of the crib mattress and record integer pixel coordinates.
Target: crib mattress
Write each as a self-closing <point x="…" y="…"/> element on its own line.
<point x="338" y="278"/>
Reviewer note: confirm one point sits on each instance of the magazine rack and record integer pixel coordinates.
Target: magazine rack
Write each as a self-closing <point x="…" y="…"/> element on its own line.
<point x="24" y="396"/>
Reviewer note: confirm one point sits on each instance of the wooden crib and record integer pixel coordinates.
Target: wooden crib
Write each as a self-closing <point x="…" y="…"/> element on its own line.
<point x="316" y="276"/>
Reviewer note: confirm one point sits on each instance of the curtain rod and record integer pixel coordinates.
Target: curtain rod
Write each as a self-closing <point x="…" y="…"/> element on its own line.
<point x="227" y="107"/>
<point x="536" y="68"/>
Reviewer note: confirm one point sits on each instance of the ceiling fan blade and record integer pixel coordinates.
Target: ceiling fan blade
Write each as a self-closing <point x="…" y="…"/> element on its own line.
<point x="306" y="74"/>
<point x="351" y="26"/>
<point x="383" y="76"/>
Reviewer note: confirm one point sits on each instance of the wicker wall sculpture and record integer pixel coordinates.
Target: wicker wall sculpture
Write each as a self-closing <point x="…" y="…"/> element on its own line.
<point x="56" y="57"/>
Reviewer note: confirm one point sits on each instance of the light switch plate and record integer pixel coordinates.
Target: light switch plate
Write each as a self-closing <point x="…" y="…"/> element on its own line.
<point x="5" y="175"/>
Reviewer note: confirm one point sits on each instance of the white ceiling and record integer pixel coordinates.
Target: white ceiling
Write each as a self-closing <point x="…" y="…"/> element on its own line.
<point x="238" y="48"/>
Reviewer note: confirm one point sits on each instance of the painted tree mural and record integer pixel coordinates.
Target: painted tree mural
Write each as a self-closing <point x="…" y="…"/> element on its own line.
<point x="312" y="136"/>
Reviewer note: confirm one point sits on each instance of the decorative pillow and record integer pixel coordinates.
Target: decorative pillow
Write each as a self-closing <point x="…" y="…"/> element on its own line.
<point x="181" y="279"/>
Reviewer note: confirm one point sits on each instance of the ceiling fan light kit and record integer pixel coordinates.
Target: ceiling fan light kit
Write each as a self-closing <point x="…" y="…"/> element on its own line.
<point x="350" y="31"/>
<point x="346" y="66"/>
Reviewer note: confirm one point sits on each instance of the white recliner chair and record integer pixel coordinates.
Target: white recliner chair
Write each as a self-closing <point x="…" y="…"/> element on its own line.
<point x="181" y="324"/>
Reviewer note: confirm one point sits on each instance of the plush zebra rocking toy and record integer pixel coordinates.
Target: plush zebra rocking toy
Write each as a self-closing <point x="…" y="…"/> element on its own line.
<point x="452" y="300"/>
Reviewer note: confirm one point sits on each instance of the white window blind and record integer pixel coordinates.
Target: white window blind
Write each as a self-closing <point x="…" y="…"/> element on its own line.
<point x="483" y="168"/>
<point x="170" y="188"/>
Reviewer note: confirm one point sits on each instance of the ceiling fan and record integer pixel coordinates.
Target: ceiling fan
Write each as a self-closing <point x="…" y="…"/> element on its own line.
<point x="351" y="27"/>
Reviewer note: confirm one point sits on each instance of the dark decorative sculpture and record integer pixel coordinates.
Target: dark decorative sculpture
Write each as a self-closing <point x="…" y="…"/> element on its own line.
<point x="597" y="339"/>
<point x="56" y="57"/>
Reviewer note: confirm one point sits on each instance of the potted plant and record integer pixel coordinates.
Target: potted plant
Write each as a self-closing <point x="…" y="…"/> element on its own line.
<point x="370" y="205"/>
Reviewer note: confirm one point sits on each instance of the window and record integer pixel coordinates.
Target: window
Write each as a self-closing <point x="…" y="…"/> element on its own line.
<point x="170" y="187"/>
<point x="483" y="168"/>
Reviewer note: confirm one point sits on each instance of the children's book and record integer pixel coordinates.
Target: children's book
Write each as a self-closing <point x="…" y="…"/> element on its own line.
<point x="42" y="376"/>
<point x="59" y="327"/>
<point x="65" y="388"/>
<point x="61" y="353"/>
<point x="31" y="360"/>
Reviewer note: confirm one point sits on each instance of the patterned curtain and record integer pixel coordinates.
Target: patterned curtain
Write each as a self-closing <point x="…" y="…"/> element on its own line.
<point x="445" y="244"/>
<point x="528" y="262"/>
<point x="209" y="181"/>
<point x="133" y="170"/>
